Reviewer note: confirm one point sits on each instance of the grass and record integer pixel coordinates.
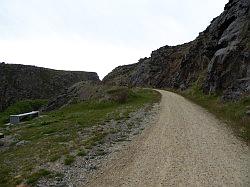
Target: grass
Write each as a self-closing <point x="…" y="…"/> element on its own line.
<point x="37" y="175"/>
<point x="56" y="134"/>
<point x="69" y="160"/>
<point x="34" y="177"/>
<point x="233" y="113"/>
<point x="82" y="152"/>
<point x="94" y="140"/>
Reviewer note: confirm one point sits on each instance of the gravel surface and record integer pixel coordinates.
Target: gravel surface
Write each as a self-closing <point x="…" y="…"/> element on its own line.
<point x="187" y="146"/>
<point x="119" y="135"/>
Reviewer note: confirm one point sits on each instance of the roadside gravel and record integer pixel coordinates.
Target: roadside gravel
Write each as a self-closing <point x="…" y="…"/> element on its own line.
<point x="187" y="146"/>
<point x="119" y="134"/>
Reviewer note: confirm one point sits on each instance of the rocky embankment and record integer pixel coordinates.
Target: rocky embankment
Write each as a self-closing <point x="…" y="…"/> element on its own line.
<point x="79" y="92"/>
<point x="219" y="58"/>
<point x="18" y="82"/>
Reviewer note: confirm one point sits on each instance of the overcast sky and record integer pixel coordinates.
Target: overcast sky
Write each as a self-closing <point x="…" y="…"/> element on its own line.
<point x="97" y="35"/>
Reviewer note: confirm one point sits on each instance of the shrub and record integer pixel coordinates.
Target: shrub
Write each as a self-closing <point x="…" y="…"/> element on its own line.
<point x="69" y="160"/>
<point x="119" y="95"/>
<point x="82" y="153"/>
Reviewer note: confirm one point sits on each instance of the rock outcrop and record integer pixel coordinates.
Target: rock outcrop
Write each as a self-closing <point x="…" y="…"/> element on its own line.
<point x="89" y="91"/>
<point x="219" y="58"/>
<point x="18" y="82"/>
<point x="81" y="91"/>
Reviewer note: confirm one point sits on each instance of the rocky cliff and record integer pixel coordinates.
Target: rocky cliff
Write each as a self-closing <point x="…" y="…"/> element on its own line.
<point x="219" y="58"/>
<point x="18" y="82"/>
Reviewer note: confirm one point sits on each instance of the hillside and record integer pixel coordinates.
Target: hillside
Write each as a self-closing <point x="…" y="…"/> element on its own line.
<point x="141" y="125"/>
<point x="19" y="82"/>
<point x="75" y="137"/>
<point x="219" y="58"/>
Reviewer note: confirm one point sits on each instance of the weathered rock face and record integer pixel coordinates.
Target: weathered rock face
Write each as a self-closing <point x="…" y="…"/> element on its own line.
<point x="219" y="56"/>
<point x="18" y="82"/>
<point x="81" y="91"/>
<point x="87" y="91"/>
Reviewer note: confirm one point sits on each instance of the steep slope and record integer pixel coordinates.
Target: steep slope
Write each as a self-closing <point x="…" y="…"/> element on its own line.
<point x="219" y="57"/>
<point x="81" y="91"/>
<point x="18" y="82"/>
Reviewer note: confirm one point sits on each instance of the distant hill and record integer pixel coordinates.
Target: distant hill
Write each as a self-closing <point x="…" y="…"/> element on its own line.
<point x="19" y="82"/>
<point x="218" y="59"/>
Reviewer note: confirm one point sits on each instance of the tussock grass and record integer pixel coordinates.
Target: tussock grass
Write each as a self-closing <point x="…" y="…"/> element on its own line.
<point x="69" y="160"/>
<point x="82" y="152"/>
<point x="37" y="175"/>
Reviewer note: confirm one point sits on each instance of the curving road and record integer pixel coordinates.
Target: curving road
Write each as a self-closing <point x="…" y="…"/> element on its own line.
<point x="187" y="146"/>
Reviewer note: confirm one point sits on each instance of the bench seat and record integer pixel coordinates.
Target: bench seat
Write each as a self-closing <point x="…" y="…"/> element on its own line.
<point x="15" y="119"/>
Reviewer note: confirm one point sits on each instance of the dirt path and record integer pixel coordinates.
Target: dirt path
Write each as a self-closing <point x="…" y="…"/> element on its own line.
<point x="187" y="146"/>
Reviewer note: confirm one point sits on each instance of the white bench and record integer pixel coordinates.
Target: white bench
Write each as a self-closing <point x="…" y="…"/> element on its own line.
<point x="15" y="119"/>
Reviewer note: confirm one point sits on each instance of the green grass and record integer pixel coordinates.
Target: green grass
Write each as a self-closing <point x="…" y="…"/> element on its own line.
<point x="56" y="134"/>
<point x="82" y="152"/>
<point x="32" y="179"/>
<point x="94" y="140"/>
<point x="20" y="107"/>
<point x="233" y="113"/>
<point x="42" y="173"/>
<point x="69" y="160"/>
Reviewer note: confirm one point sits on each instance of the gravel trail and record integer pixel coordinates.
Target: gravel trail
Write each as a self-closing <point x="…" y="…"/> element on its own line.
<point x="187" y="146"/>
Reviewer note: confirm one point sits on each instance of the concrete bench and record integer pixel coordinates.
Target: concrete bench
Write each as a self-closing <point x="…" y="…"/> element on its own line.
<point x="15" y="119"/>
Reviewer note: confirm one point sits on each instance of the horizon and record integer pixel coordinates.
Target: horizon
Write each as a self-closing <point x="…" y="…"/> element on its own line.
<point x="97" y="36"/>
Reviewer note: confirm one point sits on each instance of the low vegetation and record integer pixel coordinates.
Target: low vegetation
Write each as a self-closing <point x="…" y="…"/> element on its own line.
<point x="69" y="160"/>
<point x="37" y="175"/>
<point x="82" y="152"/>
<point x="233" y="113"/>
<point x="57" y="135"/>
<point x="119" y="95"/>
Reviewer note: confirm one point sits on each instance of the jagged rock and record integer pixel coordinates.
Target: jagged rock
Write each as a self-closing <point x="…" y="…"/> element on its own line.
<point x="79" y="92"/>
<point x="1" y="137"/>
<point x="231" y="96"/>
<point x="23" y="142"/>
<point x="18" y="82"/>
<point x="219" y="57"/>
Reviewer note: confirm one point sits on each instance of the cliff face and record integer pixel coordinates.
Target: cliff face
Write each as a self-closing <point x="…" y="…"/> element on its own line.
<point x="18" y="82"/>
<point x="219" y="58"/>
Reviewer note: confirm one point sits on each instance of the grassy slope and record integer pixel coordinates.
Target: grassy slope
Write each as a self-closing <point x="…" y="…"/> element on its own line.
<point x="48" y="135"/>
<point x="233" y="113"/>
